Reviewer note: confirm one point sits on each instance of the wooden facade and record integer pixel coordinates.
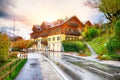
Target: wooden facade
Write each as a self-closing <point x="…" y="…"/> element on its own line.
<point x="51" y="35"/>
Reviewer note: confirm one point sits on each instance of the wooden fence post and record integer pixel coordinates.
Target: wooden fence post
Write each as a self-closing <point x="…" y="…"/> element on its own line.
<point x="10" y="69"/>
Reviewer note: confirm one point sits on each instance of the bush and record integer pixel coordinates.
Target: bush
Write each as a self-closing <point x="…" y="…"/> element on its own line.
<point x="91" y="33"/>
<point x="74" y="46"/>
<point x="13" y="54"/>
<point x="117" y="29"/>
<point x="115" y="56"/>
<point x="114" y="42"/>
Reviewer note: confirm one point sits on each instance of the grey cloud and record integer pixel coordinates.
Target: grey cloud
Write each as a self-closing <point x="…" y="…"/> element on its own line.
<point x="7" y="29"/>
<point x="5" y="9"/>
<point x="7" y="13"/>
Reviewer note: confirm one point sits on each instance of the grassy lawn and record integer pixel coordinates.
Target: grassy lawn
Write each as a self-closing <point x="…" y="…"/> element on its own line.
<point x="15" y="71"/>
<point x="99" y="45"/>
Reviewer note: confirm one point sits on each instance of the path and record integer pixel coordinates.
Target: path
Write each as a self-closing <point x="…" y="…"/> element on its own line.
<point x="38" y="69"/>
<point x="94" y="57"/>
<point x="31" y="70"/>
<point x="93" y="53"/>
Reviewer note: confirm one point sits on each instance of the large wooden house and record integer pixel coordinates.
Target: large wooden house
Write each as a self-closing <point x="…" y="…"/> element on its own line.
<point x="50" y="35"/>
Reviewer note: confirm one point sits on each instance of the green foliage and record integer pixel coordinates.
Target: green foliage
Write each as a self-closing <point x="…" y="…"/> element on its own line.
<point x="90" y="33"/>
<point x="4" y="47"/>
<point x="74" y="46"/>
<point x="115" y="56"/>
<point x="111" y="8"/>
<point x="117" y="29"/>
<point x="105" y="57"/>
<point x="16" y="71"/>
<point x="13" y="55"/>
<point x="114" y="42"/>
<point x="99" y="44"/>
<point x="30" y="44"/>
<point x="21" y="44"/>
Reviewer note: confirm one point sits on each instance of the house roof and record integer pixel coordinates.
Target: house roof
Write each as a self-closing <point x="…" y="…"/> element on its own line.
<point x="58" y="22"/>
<point x="88" y="23"/>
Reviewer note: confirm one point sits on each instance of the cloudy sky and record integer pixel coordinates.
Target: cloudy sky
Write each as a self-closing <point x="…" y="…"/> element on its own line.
<point x="23" y="14"/>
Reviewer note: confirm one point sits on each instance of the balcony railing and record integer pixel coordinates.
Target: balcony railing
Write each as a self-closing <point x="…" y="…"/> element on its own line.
<point x="44" y="42"/>
<point x="73" y="33"/>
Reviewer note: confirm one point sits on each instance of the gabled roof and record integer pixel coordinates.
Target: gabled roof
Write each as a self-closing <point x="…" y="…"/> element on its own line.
<point x="59" y="22"/>
<point x="47" y="25"/>
<point x="88" y="23"/>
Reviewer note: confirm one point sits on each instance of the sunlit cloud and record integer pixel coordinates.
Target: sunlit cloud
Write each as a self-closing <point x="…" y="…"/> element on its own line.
<point x="26" y="13"/>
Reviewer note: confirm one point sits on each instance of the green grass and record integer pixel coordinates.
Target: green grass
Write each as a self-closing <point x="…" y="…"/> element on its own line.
<point x="8" y="68"/>
<point x="99" y="44"/>
<point x="7" y="61"/>
<point x="16" y="70"/>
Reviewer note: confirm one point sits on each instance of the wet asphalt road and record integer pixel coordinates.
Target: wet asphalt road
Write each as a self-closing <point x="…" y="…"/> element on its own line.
<point x="31" y="70"/>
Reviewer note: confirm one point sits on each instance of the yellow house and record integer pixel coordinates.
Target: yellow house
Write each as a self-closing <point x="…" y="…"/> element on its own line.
<point x="49" y="36"/>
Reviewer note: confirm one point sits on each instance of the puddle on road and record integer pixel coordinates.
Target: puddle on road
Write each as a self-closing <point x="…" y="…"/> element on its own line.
<point x="33" y="65"/>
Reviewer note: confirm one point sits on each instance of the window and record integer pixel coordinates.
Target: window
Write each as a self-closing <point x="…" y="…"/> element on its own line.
<point x="66" y="30"/>
<point x="66" y="38"/>
<point x="39" y="40"/>
<point x="53" y="38"/>
<point x="56" y="30"/>
<point x="75" y="38"/>
<point x="72" y="30"/>
<point x="77" y="32"/>
<point x="71" y="38"/>
<point x="35" y="40"/>
<point x="58" y="38"/>
<point x="49" y="39"/>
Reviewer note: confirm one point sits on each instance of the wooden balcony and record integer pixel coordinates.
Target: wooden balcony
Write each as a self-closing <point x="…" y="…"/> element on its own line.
<point x="44" y="42"/>
<point x="73" y="33"/>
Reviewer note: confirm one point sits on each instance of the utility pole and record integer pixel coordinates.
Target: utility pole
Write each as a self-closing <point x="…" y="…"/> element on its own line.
<point x="13" y="32"/>
<point x="14" y="25"/>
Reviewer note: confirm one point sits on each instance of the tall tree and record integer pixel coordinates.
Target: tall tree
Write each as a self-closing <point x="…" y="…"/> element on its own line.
<point x="4" y="47"/>
<point x="110" y="8"/>
<point x="22" y="44"/>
